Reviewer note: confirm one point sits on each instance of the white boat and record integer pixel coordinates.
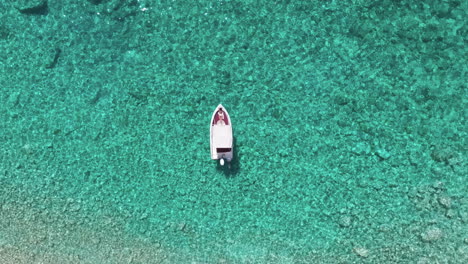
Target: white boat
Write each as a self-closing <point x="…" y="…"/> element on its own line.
<point x="221" y="135"/>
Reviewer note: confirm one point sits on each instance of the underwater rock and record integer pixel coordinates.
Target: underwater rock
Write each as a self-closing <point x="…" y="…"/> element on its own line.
<point x="432" y="234"/>
<point x="445" y="202"/>
<point x="383" y="153"/>
<point x="361" y="251"/>
<point x="345" y="221"/>
<point x="361" y="148"/>
<point x="442" y="154"/>
<point x="32" y="7"/>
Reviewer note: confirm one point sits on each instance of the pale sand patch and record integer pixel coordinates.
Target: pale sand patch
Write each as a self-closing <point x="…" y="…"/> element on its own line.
<point x="26" y="237"/>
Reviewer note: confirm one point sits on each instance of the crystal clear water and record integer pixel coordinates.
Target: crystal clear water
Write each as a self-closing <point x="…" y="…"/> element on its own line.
<point x="349" y="120"/>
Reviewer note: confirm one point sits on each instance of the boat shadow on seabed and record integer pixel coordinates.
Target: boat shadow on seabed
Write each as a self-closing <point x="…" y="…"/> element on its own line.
<point x="230" y="169"/>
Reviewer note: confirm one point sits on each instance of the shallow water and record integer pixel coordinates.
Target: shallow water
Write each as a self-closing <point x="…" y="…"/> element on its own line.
<point x="348" y="118"/>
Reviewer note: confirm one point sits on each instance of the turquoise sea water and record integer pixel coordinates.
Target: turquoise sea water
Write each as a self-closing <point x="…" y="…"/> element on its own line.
<point x="349" y="120"/>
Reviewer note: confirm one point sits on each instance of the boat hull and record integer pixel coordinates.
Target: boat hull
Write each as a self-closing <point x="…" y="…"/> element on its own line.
<point x="221" y="139"/>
